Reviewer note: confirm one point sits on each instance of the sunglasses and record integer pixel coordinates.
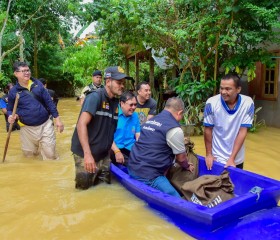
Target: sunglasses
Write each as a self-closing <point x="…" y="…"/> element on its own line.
<point x="131" y="104"/>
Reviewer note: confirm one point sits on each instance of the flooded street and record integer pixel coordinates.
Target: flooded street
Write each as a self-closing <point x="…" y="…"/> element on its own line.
<point x="38" y="199"/>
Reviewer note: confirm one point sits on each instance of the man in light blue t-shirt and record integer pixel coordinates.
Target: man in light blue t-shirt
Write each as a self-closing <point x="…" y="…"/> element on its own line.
<point x="128" y="128"/>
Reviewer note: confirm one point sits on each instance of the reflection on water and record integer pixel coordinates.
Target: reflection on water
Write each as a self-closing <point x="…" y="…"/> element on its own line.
<point x="38" y="199"/>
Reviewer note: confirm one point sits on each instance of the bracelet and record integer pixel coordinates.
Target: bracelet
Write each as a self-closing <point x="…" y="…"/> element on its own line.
<point x="117" y="151"/>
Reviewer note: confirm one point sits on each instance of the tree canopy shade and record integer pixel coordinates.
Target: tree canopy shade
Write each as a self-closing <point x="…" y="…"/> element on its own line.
<point x="200" y="37"/>
<point x="82" y="61"/>
<point x="29" y="26"/>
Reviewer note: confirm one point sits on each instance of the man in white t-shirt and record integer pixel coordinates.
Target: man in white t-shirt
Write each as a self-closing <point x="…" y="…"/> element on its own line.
<point x="227" y="116"/>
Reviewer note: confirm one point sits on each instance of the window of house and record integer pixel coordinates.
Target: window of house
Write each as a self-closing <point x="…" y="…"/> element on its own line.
<point x="265" y="85"/>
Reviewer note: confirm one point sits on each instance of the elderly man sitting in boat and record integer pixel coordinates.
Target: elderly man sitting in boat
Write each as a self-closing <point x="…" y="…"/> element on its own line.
<point x="128" y="129"/>
<point x="161" y="141"/>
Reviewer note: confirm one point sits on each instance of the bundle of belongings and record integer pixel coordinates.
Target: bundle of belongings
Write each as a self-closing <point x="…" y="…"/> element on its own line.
<point x="209" y="190"/>
<point x="206" y="190"/>
<point x="177" y="175"/>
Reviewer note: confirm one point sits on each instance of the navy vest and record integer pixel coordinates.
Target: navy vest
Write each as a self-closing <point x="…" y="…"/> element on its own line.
<point x="101" y="128"/>
<point x="150" y="156"/>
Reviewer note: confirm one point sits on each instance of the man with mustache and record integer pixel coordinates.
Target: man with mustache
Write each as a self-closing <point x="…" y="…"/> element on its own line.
<point x="94" y="133"/>
<point x="227" y="117"/>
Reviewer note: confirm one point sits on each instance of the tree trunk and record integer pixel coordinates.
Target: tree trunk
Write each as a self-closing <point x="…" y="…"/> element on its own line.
<point x="35" y="56"/>
<point x="127" y="66"/>
<point x="216" y="62"/>
<point x="136" y="69"/>
<point x="21" y="47"/>
<point x="2" y="33"/>
<point x="152" y="70"/>
<point x="129" y="84"/>
<point x="21" y="39"/>
<point x="174" y="72"/>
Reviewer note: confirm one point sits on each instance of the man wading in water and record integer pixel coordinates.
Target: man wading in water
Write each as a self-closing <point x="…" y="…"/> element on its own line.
<point x="94" y="133"/>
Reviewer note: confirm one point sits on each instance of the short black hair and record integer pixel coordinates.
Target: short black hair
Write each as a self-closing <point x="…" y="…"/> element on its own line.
<point x="234" y="77"/>
<point x="139" y="85"/>
<point x="8" y="87"/>
<point x="18" y="64"/>
<point x="127" y="95"/>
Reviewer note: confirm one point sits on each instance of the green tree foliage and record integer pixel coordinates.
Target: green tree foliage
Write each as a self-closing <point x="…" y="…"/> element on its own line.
<point x="82" y="61"/>
<point x="199" y="37"/>
<point x="40" y="22"/>
<point x="50" y="62"/>
<point x="203" y="39"/>
<point x="119" y="27"/>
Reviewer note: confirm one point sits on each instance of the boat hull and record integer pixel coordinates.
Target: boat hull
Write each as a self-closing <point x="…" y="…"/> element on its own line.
<point x="198" y="220"/>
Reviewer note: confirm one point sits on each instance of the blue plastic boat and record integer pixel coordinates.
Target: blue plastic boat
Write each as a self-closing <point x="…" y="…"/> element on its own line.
<point x="249" y="215"/>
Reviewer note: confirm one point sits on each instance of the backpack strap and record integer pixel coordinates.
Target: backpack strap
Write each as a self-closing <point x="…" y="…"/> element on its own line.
<point x="35" y="97"/>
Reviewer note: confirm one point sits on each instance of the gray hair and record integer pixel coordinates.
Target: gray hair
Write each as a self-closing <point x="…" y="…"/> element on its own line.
<point x="175" y="104"/>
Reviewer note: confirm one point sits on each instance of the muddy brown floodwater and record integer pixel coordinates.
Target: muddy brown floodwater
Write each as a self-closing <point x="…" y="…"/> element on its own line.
<point x="38" y="199"/>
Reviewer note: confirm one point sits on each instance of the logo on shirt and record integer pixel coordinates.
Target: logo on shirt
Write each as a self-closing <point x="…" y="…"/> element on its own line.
<point x="149" y="128"/>
<point x="105" y="105"/>
<point x="154" y="123"/>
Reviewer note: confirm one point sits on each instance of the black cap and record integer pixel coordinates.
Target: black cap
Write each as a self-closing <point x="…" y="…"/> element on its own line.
<point x="116" y="73"/>
<point x="97" y="73"/>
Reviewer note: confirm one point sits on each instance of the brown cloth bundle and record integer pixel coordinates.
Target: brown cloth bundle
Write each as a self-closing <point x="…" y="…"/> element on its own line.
<point x="209" y="190"/>
<point x="178" y="176"/>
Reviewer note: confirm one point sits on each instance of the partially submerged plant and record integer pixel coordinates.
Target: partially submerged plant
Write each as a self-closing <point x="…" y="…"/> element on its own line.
<point x="257" y="124"/>
<point x="193" y="115"/>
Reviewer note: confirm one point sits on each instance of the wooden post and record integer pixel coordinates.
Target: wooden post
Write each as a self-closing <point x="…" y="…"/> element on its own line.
<point x="174" y="72"/>
<point x="128" y="83"/>
<point x="10" y="127"/>
<point x="127" y="66"/>
<point x="152" y="70"/>
<point x="137" y="69"/>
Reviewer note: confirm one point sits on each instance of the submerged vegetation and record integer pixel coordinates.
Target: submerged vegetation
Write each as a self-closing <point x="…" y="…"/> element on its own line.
<point x="257" y="124"/>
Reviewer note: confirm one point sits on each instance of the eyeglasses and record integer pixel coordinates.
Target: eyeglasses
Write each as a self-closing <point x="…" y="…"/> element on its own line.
<point x="24" y="71"/>
<point x="131" y="104"/>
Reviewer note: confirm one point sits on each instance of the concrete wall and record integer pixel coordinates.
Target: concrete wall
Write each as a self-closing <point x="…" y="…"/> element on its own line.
<point x="270" y="112"/>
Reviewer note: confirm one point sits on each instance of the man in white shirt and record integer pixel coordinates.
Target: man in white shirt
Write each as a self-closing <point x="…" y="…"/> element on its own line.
<point x="227" y="116"/>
